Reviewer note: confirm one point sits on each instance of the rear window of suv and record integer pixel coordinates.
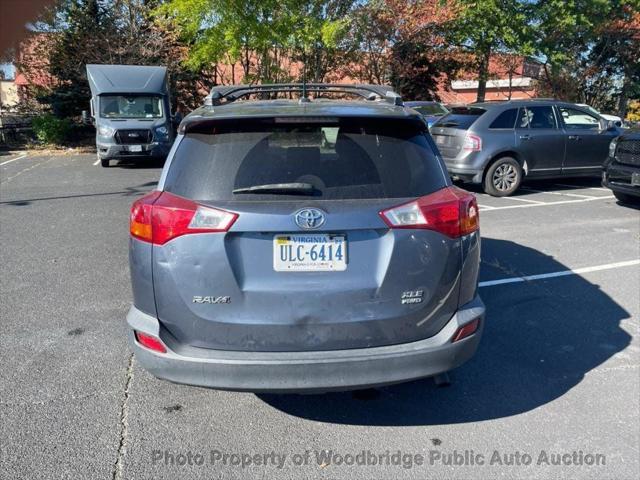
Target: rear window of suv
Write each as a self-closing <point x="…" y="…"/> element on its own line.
<point x="460" y="117"/>
<point x="345" y="158"/>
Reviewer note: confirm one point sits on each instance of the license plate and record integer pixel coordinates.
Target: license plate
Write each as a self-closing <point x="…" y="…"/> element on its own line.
<point x="135" y="148"/>
<point x="635" y="179"/>
<point x="440" y="139"/>
<point x="309" y="253"/>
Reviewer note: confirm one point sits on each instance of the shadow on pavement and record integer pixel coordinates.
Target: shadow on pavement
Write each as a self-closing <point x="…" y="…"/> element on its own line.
<point x="540" y="340"/>
<point x="127" y="192"/>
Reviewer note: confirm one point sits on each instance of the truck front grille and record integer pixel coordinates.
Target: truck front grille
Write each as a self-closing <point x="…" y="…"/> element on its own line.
<point x="628" y="152"/>
<point x="133" y="137"/>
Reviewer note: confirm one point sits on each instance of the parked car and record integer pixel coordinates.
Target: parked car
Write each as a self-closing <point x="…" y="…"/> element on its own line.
<point x="262" y="265"/>
<point x="622" y="169"/>
<point x="499" y="144"/>
<point x="430" y="111"/>
<point x="131" y="110"/>
<point x="617" y="121"/>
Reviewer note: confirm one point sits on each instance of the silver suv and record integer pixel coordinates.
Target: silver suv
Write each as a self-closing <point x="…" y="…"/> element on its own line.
<point x="269" y="259"/>
<point x="499" y="144"/>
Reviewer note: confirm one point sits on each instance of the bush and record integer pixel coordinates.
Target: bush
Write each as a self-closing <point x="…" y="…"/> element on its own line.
<point x="49" y="129"/>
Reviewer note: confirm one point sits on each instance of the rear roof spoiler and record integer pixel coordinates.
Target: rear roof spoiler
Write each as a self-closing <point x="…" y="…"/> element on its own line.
<point x="230" y="93"/>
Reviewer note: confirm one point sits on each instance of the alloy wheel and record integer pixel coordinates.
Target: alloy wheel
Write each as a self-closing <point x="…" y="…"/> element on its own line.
<point x="505" y="177"/>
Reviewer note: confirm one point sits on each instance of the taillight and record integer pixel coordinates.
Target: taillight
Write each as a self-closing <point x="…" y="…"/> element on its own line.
<point x="150" y="342"/>
<point x="140" y="219"/>
<point x="472" y="143"/>
<point x="450" y="211"/>
<point x="466" y="330"/>
<point x="161" y="216"/>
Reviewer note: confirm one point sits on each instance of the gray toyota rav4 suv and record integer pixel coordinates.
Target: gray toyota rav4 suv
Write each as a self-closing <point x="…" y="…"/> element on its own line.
<point x="498" y="144"/>
<point x="269" y="260"/>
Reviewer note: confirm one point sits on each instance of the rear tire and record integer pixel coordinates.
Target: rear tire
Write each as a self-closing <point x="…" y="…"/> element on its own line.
<point x="104" y="162"/>
<point x="503" y="177"/>
<point x="626" y="198"/>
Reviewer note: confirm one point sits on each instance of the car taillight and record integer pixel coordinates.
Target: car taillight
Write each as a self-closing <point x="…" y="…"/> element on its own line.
<point x="450" y="211"/>
<point x="472" y="143"/>
<point x="150" y="342"/>
<point x="140" y="218"/>
<point x="160" y="216"/>
<point x="466" y="330"/>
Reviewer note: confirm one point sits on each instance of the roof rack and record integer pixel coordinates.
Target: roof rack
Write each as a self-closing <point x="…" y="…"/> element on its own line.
<point x="230" y="93"/>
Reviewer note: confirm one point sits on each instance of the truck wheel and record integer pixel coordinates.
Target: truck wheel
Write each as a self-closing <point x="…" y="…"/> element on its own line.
<point x="626" y="198"/>
<point x="104" y="162"/>
<point x="503" y="177"/>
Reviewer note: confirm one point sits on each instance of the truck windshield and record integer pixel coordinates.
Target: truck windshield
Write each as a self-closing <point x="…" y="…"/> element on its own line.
<point x="130" y="106"/>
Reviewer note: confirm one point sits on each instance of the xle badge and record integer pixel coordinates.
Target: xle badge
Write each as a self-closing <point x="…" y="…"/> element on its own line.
<point x="412" y="296"/>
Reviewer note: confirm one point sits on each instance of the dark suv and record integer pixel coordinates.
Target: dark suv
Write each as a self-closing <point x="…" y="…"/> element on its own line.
<point x="269" y="260"/>
<point x="498" y="144"/>
<point x="622" y="169"/>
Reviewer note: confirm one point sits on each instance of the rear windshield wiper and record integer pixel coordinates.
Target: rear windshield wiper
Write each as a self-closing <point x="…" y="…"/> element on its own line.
<point x="294" y="188"/>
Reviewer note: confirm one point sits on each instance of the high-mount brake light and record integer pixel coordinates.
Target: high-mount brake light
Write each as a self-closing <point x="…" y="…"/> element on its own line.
<point x="450" y="211"/>
<point x="161" y="216"/>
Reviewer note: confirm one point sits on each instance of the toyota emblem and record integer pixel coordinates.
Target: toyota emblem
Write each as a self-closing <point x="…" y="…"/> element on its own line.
<point x="309" y="218"/>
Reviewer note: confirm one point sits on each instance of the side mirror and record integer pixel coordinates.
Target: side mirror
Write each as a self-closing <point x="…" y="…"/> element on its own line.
<point x="607" y="125"/>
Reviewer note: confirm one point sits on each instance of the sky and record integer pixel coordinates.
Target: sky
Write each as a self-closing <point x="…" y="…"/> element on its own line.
<point x="8" y="69"/>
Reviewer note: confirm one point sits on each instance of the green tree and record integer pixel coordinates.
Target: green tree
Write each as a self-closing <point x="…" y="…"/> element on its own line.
<point x="400" y="42"/>
<point x="590" y="50"/>
<point x="483" y="28"/>
<point x="421" y="60"/>
<point x="262" y="36"/>
<point x="78" y="32"/>
<point x="367" y="44"/>
<point x="76" y="29"/>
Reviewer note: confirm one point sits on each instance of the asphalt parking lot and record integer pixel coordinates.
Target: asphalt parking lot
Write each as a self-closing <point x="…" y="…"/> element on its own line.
<point x="557" y="373"/>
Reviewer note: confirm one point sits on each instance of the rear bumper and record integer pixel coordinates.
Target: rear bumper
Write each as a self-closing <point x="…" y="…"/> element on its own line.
<point x="307" y="371"/>
<point x="469" y="168"/>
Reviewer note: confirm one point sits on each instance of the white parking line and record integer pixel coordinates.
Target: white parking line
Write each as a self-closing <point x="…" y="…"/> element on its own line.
<point x="96" y="162"/>
<point x="14" y="159"/>
<point x="558" y="193"/>
<point x="562" y="273"/>
<point x="527" y="200"/>
<point x="562" y="202"/>
<point x="485" y="207"/>
<point x="578" y="187"/>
